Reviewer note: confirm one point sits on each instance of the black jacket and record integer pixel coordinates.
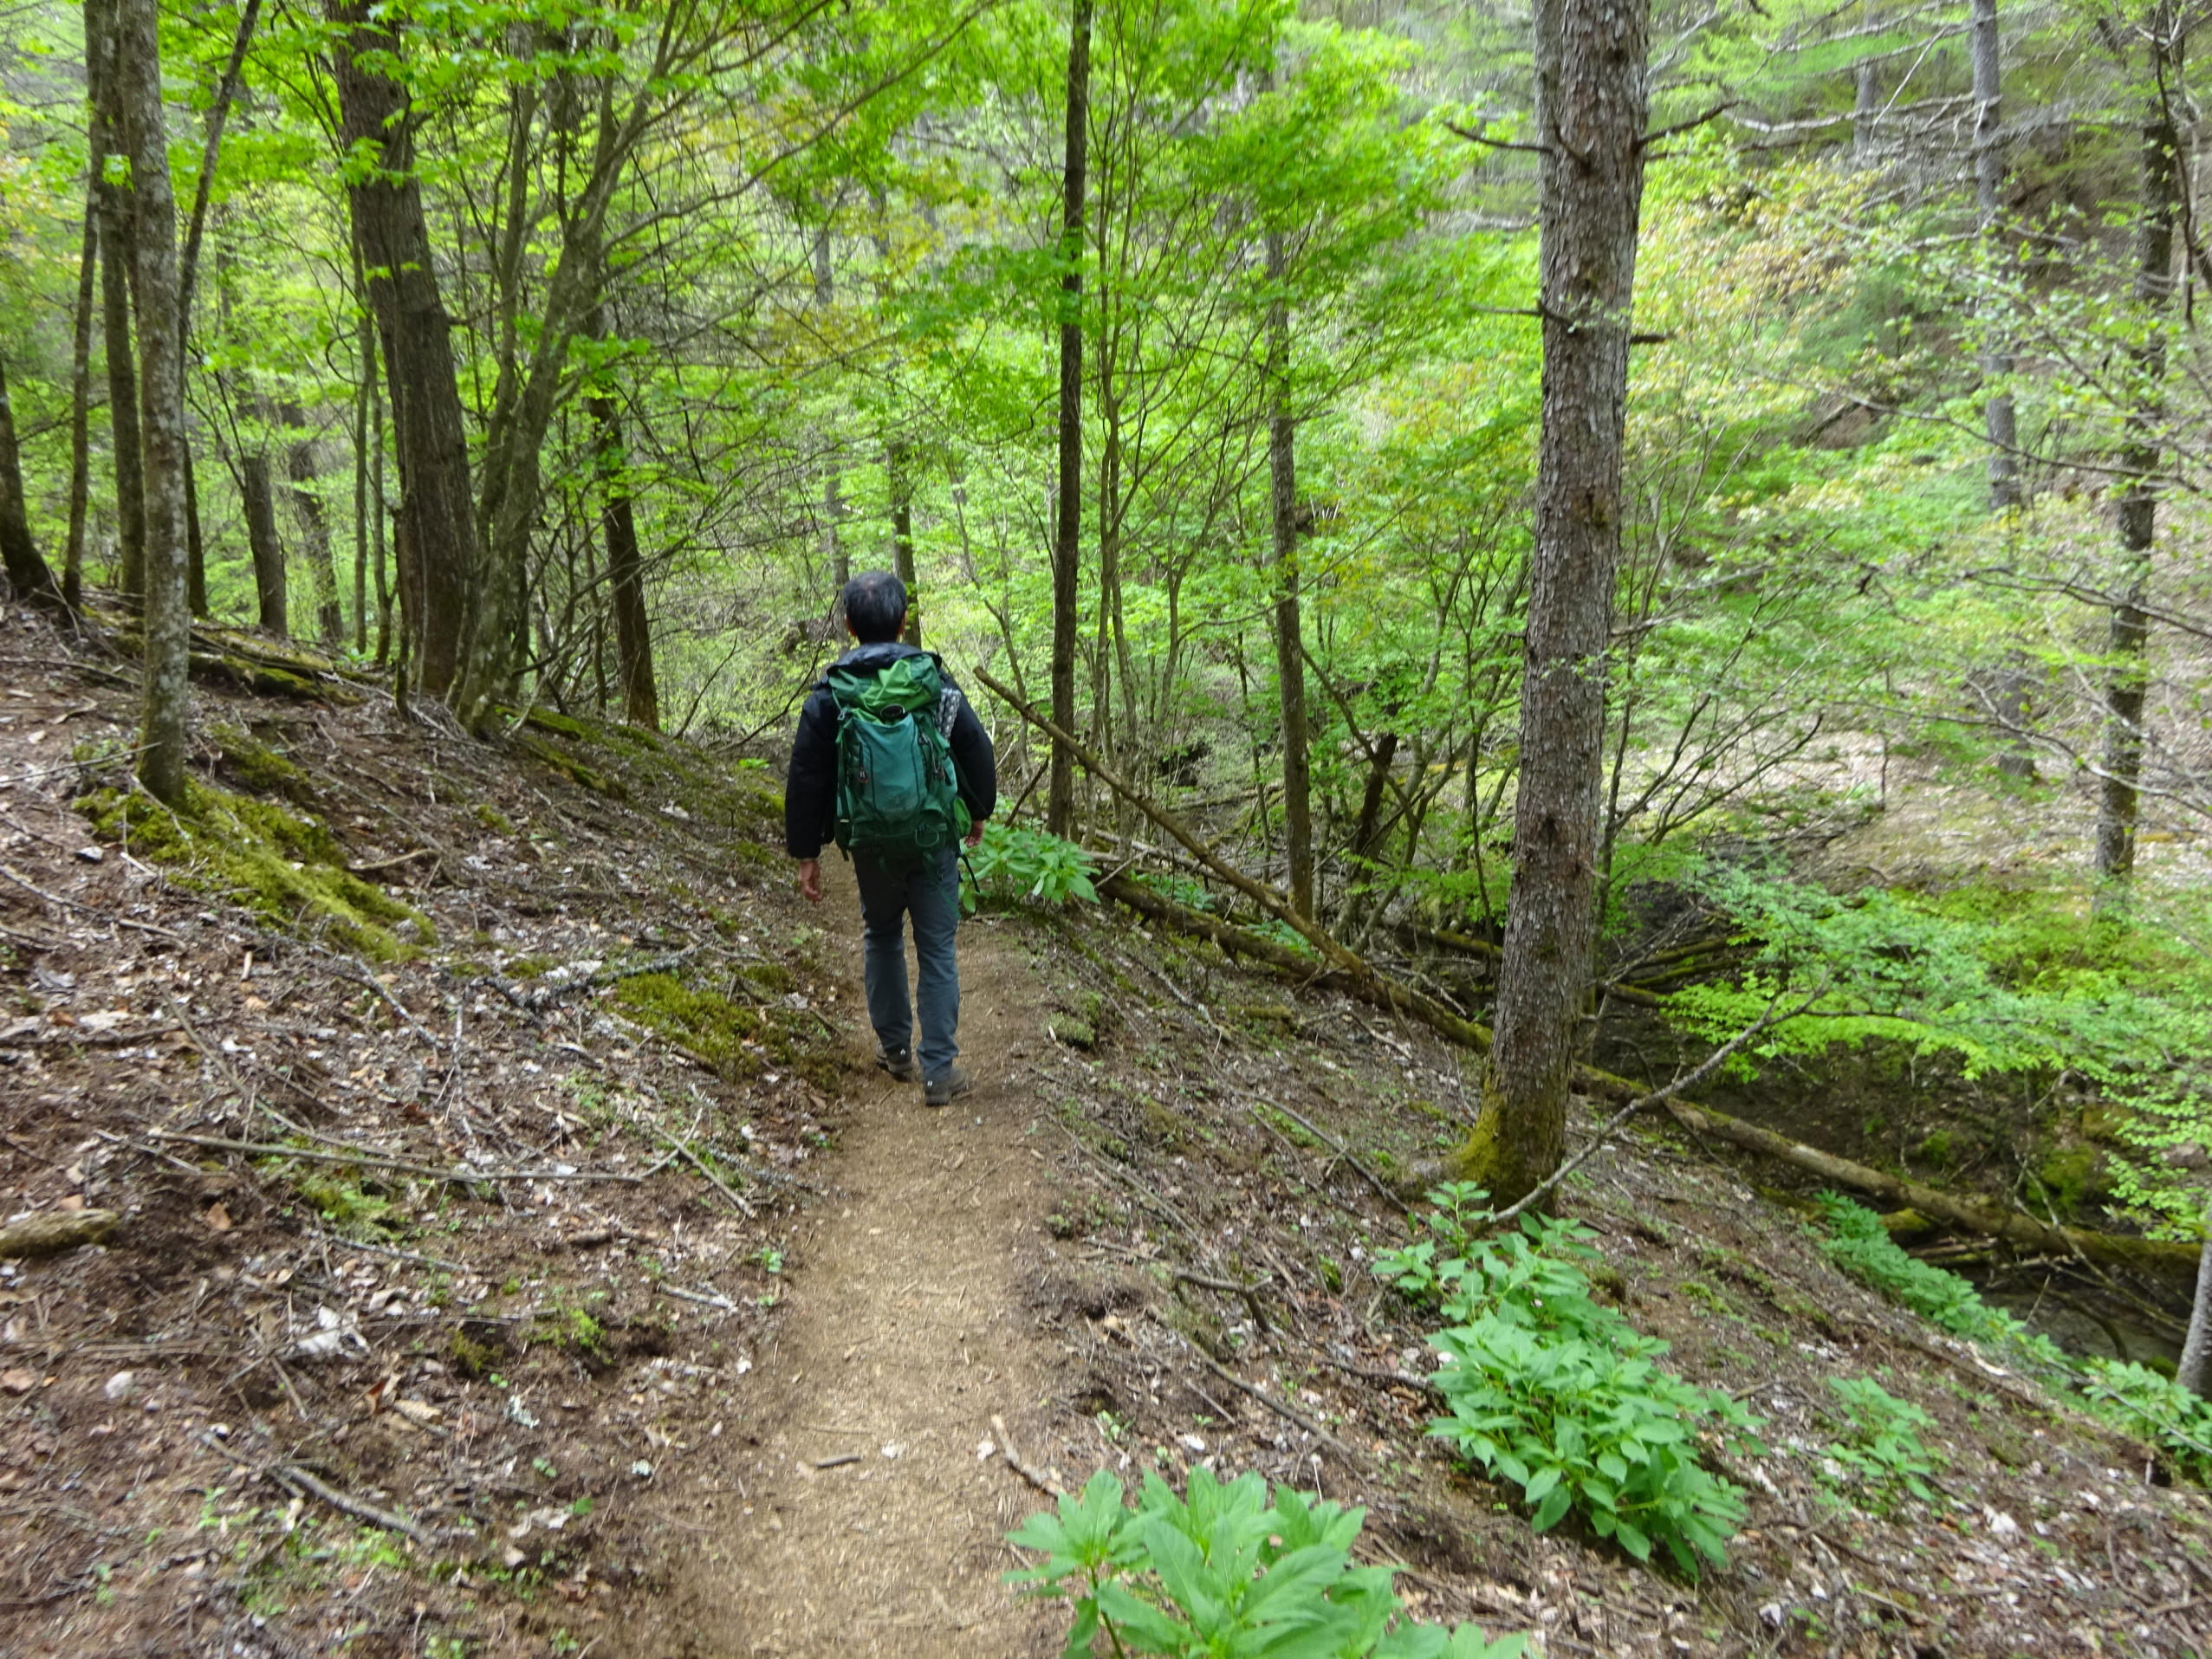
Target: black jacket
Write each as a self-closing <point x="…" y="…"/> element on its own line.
<point x="810" y="792"/>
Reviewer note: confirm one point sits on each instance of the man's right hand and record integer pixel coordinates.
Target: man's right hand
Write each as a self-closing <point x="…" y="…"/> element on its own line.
<point x="810" y="880"/>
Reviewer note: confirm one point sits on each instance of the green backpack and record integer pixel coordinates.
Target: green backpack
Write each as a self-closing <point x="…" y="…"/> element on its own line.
<point x="897" y="795"/>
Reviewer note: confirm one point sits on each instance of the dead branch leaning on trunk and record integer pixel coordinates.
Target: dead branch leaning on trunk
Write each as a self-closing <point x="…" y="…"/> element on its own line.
<point x="2166" y="1258"/>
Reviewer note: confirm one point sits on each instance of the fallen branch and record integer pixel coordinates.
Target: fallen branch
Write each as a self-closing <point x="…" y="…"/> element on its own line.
<point x="722" y="1302"/>
<point x="2167" y="1257"/>
<point x="92" y="910"/>
<point x="1043" y="1483"/>
<point x="460" y="1173"/>
<point x="1288" y="1413"/>
<point x="1256" y="1103"/>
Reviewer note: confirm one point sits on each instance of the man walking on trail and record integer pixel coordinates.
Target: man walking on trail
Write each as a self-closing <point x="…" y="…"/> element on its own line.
<point x="892" y="762"/>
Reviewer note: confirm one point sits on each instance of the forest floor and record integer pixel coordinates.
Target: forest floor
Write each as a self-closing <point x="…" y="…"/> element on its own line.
<point x="552" y="1273"/>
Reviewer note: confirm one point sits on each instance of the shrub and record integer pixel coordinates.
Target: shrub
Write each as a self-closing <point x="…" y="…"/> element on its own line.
<point x="1552" y="1390"/>
<point x="1229" y="1569"/>
<point x="1014" y="863"/>
<point x="1881" y="1451"/>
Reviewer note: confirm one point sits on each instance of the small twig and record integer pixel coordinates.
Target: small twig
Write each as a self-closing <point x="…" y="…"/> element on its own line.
<point x="722" y="1302"/>
<point x="1288" y="1413"/>
<point x="460" y="1173"/>
<point x="684" y="1149"/>
<point x="1043" y="1483"/>
<point x="386" y="1250"/>
<point x="837" y="1461"/>
<point x="1321" y="1135"/>
<point x="92" y="910"/>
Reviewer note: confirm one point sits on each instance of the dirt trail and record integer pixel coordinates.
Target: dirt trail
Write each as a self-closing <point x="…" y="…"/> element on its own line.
<point x="906" y="1331"/>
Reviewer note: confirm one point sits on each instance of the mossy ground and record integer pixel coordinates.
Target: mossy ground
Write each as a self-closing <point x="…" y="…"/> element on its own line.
<point x="737" y="1041"/>
<point x="285" y="866"/>
<point x="628" y="763"/>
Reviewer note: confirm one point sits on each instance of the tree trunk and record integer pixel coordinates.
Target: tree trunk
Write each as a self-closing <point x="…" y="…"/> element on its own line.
<point x="2127" y="676"/>
<point x="897" y="477"/>
<point x="114" y="206"/>
<point x="165" y="735"/>
<point x="27" y="571"/>
<point x="73" y="555"/>
<point x="1865" y="115"/>
<point x="1067" y="527"/>
<point x="626" y="575"/>
<point x="1290" y="658"/>
<point x="1989" y="201"/>
<point x="438" y="537"/>
<point x="2194" y="1370"/>
<point x="259" y="499"/>
<point x="302" y="467"/>
<point x="1591" y="100"/>
<point x="835" y="552"/>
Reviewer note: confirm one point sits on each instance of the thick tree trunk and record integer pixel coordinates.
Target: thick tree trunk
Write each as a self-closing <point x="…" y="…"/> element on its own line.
<point x="27" y="570"/>
<point x="439" y="535"/>
<point x="1290" y="657"/>
<point x="1592" y="103"/>
<point x="898" y="462"/>
<point x="72" y="555"/>
<point x="1989" y="201"/>
<point x="302" y="468"/>
<point x="1865" y="115"/>
<point x="2127" y="676"/>
<point x="165" y="735"/>
<point x="1068" y="526"/>
<point x="114" y="208"/>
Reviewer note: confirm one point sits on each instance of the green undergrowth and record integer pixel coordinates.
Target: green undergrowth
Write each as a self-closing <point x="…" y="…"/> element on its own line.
<point x="285" y="866"/>
<point x="738" y="1041"/>
<point x="2130" y="1398"/>
<point x="1560" y="1395"/>
<point x="629" y="763"/>
<point x="1230" y="1569"/>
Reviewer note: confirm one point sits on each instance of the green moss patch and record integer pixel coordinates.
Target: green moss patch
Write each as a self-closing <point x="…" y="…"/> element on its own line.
<point x="739" y="1042"/>
<point x="283" y="866"/>
<point x="259" y="768"/>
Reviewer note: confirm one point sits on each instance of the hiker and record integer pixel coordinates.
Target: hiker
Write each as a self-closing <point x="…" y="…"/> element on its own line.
<point x="892" y="762"/>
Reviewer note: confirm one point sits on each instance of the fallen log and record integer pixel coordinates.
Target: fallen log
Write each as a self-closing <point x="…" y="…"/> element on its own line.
<point x="2169" y="1259"/>
<point x="51" y="1232"/>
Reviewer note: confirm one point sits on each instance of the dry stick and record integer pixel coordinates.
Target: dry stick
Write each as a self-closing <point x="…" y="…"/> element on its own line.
<point x="1288" y="1414"/>
<point x="1043" y="1483"/>
<point x="92" y="911"/>
<point x="699" y="1164"/>
<point x="300" y="1483"/>
<point x="1256" y="1102"/>
<point x="460" y="1173"/>
<point x="681" y="1294"/>
<point x="385" y="1250"/>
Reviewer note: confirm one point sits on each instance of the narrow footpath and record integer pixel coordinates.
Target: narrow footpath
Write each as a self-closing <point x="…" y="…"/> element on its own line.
<point x="870" y="1519"/>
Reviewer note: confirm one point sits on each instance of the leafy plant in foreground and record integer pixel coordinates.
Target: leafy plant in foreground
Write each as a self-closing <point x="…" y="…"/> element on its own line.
<point x="1561" y="1395"/>
<point x="1881" y="1451"/>
<point x="1014" y="862"/>
<point x="1230" y="1570"/>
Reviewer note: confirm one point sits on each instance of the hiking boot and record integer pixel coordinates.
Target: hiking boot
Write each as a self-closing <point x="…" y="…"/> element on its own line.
<point x="899" y="1062"/>
<point x="943" y="1090"/>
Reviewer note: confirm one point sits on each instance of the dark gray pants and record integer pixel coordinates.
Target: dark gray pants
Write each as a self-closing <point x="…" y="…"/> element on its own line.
<point x="931" y="894"/>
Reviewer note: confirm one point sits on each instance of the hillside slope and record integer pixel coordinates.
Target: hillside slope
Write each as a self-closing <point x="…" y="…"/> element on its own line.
<point x="514" y="1252"/>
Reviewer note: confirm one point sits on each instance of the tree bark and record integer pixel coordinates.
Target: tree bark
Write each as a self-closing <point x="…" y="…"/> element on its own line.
<point x="2127" y="676"/>
<point x="165" y="735"/>
<point x="1068" y="526"/>
<point x="1592" y="103"/>
<point x="439" y="549"/>
<point x="897" y="460"/>
<point x="27" y="569"/>
<point x="2194" y="1370"/>
<point x="1290" y="658"/>
<point x="1989" y="201"/>
<point x="626" y="576"/>
<point x="113" y="207"/>
<point x="73" y="553"/>
<point x="302" y="468"/>
<point x="259" y="499"/>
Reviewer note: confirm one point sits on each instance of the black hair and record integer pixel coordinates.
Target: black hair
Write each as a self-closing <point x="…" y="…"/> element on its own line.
<point x="875" y="606"/>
